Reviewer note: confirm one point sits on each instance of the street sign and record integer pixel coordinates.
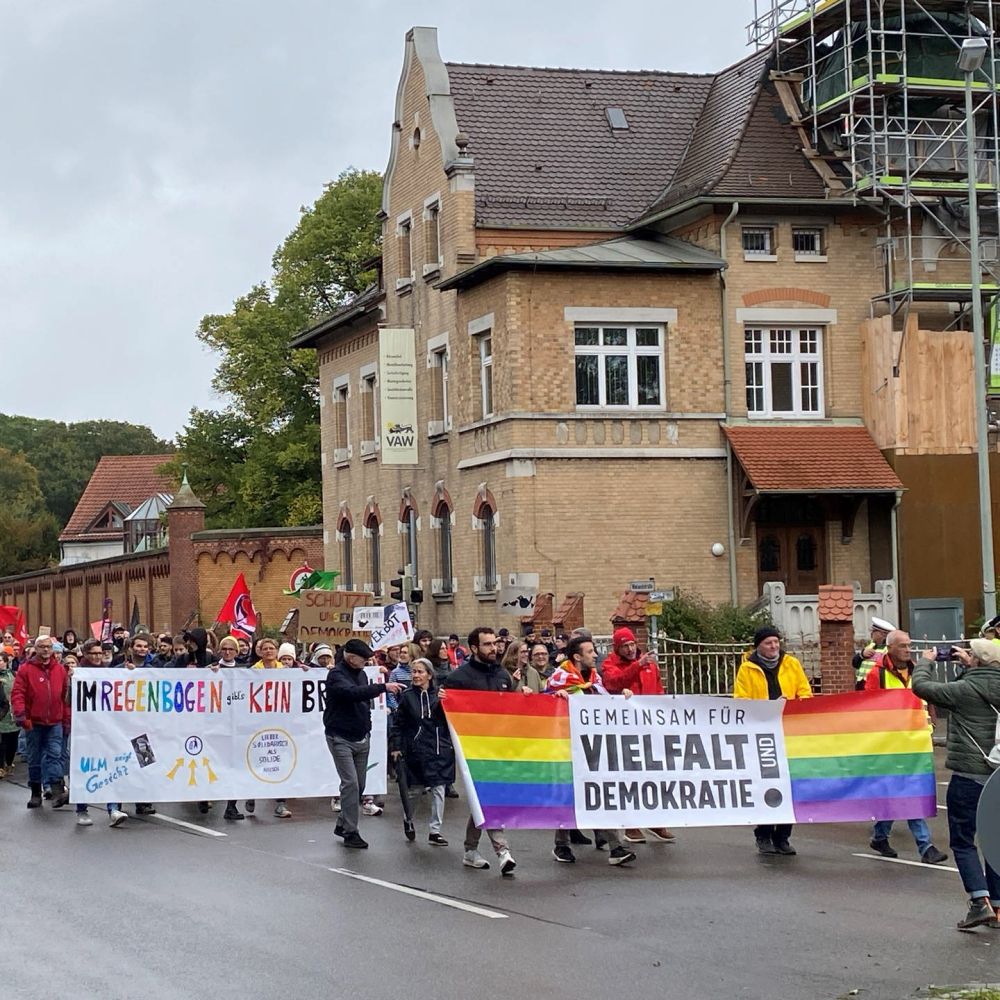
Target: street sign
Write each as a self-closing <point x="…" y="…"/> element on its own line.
<point x="654" y="608"/>
<point x="642" y="586"/>
<point x="661" y="595"/>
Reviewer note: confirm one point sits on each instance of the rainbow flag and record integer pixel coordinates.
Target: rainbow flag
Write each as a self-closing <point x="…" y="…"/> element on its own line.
<point x="515" y="750"/>
<point x="860" y="757"/>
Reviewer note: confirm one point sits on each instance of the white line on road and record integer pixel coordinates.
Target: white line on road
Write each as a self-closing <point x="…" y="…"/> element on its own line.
<point x="422" y="894"/>
<point x="193" y="827"/>
<point x="904" y="861"/>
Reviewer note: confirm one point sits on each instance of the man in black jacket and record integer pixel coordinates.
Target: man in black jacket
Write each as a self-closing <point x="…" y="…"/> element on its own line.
<point x="347" y="719"/>
<point x="483" y="672"/>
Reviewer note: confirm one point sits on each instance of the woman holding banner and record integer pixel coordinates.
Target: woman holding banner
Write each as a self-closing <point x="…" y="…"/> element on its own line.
<point x="768" y="673"/>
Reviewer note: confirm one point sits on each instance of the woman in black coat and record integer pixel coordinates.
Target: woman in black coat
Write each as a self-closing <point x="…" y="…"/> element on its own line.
<point x="421" y="741"/>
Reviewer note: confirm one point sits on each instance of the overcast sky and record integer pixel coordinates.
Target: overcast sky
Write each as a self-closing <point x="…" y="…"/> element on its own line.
<point x="155" y="155"/>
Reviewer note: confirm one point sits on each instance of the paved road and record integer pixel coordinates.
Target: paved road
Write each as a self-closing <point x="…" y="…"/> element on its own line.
<point x="157" y="910"/>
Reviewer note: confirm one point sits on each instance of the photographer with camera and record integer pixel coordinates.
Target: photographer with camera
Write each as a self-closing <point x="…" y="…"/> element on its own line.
<point x="974" y="703"/>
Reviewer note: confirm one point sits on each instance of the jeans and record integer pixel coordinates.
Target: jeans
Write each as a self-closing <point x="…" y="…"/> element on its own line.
<point x="351" y="760"/>
<point x="45" y="747"/>
<point x="473" y="834"/>
<point x="963" y="800"/>
<point x="611" y="836"/>
<point x="81" y="807"/>
<point x="918" y="827"/>
<point x="777" y="833"/>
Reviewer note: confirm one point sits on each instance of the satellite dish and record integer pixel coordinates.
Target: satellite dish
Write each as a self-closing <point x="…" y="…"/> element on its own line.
<point x="988" y="821"/>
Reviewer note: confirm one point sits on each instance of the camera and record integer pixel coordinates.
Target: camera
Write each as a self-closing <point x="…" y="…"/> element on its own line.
<point x="942" y="654"/>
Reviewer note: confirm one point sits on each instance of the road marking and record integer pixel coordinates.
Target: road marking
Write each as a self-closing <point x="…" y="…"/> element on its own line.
<point x="422" y="894"/>
<point x="904" y="861"/>
<point x="193" y="827"/>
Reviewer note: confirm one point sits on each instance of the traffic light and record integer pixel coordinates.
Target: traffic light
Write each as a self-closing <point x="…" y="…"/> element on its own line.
<point x="396" y="587"/>
<point x="416" y="597"/>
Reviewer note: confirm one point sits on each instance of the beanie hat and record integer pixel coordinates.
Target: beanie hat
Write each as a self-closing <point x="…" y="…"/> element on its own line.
<point x="229" y="640"/>
<point x="358" y="648"/>
<point x="286" y="649"/>
<point x="321" y="650"/>
<point x="622" y="635"/>
<point x="765" y="632"/>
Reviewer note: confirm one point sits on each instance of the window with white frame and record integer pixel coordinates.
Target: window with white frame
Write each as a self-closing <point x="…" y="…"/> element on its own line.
<point x="347" y="555"/>
<point x="487" y="518"/>
<point x="369" y="413"/>
<point x="439" y="391"/>
<point x="404" y="243"/>
<point x="445" y="561"/>
<point x="372" y="529"/>
<point x="784" y="371"/>
<point x="758" y="242"/>
<point x="486" y="373"/>
<point x="808" y="243"/>
<point x="432" y="235"/>
<point x="341" y="426"/>
<point x="619" y="366"/>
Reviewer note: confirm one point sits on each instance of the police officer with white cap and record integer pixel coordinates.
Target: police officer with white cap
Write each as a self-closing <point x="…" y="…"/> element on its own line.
<point x="864" y="661"/>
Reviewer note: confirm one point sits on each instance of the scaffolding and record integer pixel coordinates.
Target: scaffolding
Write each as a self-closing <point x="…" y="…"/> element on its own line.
<point x="875" y="91"/>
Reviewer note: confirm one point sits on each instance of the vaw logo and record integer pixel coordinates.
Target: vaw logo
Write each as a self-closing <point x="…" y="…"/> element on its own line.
<point x="399" y="435"/>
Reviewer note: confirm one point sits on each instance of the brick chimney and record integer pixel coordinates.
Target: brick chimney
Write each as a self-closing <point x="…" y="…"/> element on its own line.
<point x="836" y="638"/>
<point x="185" y="516"/>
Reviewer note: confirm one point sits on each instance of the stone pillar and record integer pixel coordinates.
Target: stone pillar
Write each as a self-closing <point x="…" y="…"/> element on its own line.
<point x="836" y="639"/>
<point x="185" y="516"/>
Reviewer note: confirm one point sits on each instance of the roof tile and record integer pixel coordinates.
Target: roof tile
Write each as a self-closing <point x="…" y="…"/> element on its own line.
<point x="126" y="478"/>
<point x="812" y="459"/>
<point x="836" y="603"/>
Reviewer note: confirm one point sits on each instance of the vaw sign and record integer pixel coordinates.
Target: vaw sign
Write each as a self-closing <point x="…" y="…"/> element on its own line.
<point x="397" y="362"/>
<point x="160" y="735"/>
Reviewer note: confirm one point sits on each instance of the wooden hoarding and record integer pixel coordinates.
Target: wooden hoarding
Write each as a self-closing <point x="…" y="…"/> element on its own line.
<point x="329" y="615"/>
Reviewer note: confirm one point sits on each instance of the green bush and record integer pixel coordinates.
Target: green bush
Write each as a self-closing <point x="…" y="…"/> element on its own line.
<point x="689" y="616"/>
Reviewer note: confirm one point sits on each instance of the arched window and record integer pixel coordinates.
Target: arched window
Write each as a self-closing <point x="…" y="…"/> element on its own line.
<point x="372" y="530"/>
<point x="769" y="554"/>
<point x="485" y="520"/>
<point x="409" y="523"/>
<point x="345" y="535"/>
<point x="441" y="512"/>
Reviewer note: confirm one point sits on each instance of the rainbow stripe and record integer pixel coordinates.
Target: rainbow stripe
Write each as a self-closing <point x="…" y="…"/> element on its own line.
<point x="855" y="757"/>
<point x="516" y="749"/>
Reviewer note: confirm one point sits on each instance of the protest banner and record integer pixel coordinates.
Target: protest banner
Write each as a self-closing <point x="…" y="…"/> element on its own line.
<point x="593" y="762"/>
<point x="154" y="735"/>
<point x="388" y="626"/>
<point x="329" y="615"/>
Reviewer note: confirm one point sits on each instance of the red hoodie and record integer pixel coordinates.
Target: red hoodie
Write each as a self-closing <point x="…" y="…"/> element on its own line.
<point x="40" y="693"/>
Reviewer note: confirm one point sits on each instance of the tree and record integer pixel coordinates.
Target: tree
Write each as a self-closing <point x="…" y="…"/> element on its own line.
<point x="257" y="462"/>
<point x="29" y="531"/>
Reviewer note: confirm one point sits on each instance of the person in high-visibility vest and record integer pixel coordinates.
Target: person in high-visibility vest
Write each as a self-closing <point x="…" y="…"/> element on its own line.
<point x="865" y="660"/>
<point x="892" y="671"/>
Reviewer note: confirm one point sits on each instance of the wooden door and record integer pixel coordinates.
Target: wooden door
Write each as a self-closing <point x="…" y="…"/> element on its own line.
<point x="795" y="555"/>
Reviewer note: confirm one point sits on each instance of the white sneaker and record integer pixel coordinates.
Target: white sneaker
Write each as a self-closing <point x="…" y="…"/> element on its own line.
<point x="507" y="862"/>
<point x="371" y="809"/>
<point x="473" y="859"/>
<point x="282" y="811"/>
<point x="116" y="817"/>
<point x="83" y="819"/>
<point x="335" y="803"/>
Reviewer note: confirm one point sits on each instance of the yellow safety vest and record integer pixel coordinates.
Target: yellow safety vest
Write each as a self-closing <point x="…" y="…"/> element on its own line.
<point x="865" y="666"/>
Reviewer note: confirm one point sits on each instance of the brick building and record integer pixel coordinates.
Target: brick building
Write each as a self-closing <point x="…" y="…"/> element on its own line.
<point x="625" y="288"/>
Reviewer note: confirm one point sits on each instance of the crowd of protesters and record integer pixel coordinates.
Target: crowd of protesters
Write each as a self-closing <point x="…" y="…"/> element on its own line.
<point x="415" y="678"/>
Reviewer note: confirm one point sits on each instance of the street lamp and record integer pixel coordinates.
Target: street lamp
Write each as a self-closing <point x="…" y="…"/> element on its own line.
<point x="970" y="60"/>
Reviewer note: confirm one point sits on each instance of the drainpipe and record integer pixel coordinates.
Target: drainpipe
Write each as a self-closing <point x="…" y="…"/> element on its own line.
<point x="727" y="396"/>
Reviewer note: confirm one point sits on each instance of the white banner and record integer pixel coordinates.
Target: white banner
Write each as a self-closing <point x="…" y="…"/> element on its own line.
<point x="516" y="601"/>
<point x="389" y="626"/>
<point x="397" y="378"/>
<point x="162" y="735"/>
<point x="652" y="761"/>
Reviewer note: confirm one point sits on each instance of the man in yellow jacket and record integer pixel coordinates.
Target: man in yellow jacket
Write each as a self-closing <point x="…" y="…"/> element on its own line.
<point x="766" y="674"/>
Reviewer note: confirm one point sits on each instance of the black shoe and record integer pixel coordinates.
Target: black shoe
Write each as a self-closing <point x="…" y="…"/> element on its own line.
<point x="932" y="856"/>
<point x="409" y="832"/>
<point x="232" y="813"/>
<point x="203" y="808"/>
<point x="563" y="854"/>
<point x="980" y="914"/>
<point x="250" y="805"/>
<point x="35" y="802"/>
<point x="339" y="831"/>
<point x="783" y="847"/>
<point x="436" y="840"/>
<point x="144" y="809"/>
<point x="766" y="846"/>
<point x="60" y="796"/>
<point x="621" y="856"/>
<point x="354" y="840"/>
<point x="580" y="839"/>
<point x="450" y="793"/>
<point x="882" y="846"/>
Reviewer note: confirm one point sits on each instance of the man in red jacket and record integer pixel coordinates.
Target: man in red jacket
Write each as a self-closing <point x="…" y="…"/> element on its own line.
<point x="625" y="668"/>
<point x="40" y="704"/>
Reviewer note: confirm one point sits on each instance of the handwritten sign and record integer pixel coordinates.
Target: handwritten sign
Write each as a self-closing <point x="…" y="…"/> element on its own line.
<point x="329" y="615"/>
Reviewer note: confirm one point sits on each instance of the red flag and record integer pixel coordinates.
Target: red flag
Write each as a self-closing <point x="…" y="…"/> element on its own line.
<point x="238" y="611"/>
<point x="12" y="618"/>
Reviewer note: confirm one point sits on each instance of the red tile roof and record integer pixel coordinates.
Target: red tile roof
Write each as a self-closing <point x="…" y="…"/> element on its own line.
<point x="836" y="603"/>
<point x="631" y="608"/>
<point x="812" y="459"/>
<point x="127" y="478"/>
